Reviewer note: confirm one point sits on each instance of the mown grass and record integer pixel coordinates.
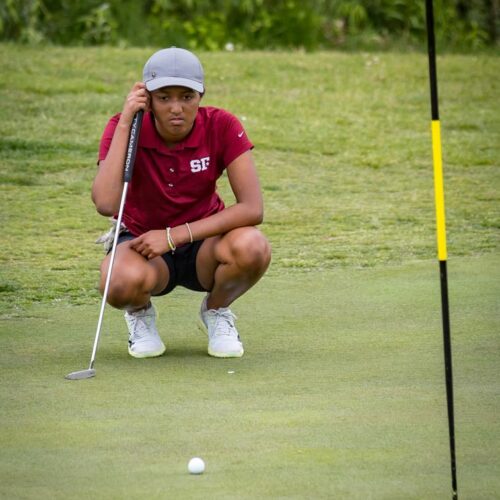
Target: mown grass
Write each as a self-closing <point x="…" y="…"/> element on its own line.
<point x="340" y="394"/>
<point x="342" y="144"/>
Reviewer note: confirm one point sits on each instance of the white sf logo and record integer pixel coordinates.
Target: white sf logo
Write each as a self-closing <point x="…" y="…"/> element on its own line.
<point x="199" y="165"/>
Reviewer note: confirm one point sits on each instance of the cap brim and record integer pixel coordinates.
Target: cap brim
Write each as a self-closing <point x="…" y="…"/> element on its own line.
<point x="158" y="83"/>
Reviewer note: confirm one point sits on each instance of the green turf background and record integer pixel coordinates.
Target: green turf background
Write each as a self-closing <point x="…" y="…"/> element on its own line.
<point x="342" y="144"/>
<point x="341" y="391"/>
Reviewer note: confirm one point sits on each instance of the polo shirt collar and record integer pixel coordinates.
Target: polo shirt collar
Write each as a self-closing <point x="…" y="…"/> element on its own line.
<point x="150" y="138"/>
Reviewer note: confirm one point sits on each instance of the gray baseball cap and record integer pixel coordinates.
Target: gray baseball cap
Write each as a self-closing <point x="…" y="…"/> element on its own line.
<point x="173" y="67"/>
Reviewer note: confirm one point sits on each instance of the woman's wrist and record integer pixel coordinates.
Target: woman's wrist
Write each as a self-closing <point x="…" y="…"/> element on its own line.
<point x="125" y="122"/>
<point x="170" y="240"/>
<point x="190" y="232"/>
<point x="179" y="235"/>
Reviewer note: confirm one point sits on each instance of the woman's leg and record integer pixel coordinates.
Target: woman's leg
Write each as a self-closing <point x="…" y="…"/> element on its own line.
<point x="231" y="264"/>
<point x="134" y="279"/>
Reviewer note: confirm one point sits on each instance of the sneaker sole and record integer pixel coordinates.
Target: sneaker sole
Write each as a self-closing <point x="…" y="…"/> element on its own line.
<point x="238" y="354"/>
<point x="214" y="354"/>
<point x="142" y="355"/>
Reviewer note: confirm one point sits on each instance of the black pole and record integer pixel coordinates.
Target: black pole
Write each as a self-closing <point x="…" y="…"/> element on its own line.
<point x="448" y="374"/>
<point x="441" y="238"/>
<point x="431" y="47"/>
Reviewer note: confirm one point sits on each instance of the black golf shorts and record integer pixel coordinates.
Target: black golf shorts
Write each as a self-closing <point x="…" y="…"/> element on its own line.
<point x="181" y="265"/>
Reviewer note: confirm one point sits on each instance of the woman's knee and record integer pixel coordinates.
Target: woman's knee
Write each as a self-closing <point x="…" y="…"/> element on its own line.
<point x="251" y="250"/>
<point x="125" y="285"/>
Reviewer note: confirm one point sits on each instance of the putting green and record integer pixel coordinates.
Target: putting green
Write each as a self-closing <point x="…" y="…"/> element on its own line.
<point x="340" y="394"/>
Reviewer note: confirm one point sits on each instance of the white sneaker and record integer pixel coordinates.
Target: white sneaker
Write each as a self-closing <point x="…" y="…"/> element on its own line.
<point x="143" y="340"/>
<point x="223" y="338"/>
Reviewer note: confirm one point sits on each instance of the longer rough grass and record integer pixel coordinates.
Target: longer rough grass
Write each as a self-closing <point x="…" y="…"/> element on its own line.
<point x="342" y="145"/>
<point x="340" y="395"/>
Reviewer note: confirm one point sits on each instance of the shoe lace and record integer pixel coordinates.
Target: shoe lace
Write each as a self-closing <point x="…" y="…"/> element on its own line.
<point x="140" y="324"/>
<point x="224" y="323"/>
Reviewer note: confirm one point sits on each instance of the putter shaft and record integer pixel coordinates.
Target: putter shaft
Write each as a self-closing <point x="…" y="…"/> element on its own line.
<point x="128" y="169"/>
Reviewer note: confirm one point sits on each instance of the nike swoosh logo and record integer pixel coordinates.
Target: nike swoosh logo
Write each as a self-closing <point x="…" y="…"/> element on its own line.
<point x="241" y="134"/>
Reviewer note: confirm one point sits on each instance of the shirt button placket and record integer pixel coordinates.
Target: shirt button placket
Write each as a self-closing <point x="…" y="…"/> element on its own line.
<point x="172" y="172"/>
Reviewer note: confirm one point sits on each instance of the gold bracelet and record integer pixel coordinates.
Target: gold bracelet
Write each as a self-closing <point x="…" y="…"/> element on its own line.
<point x="190" y="233"/>
<point x="170" y="240"/>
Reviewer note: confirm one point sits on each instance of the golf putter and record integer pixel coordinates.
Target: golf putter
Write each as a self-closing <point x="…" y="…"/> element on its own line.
<point x="127" y="176"/>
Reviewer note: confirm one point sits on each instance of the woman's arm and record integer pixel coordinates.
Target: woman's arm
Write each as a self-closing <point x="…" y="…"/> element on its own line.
<point x="108" y="183"/>
<point x="247" y="211"/>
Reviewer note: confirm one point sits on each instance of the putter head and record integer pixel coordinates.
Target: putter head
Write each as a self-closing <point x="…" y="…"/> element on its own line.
<point x="81" y="374"/>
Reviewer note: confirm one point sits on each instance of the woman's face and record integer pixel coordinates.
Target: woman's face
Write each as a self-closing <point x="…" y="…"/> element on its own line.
<point x="175" y="110"/>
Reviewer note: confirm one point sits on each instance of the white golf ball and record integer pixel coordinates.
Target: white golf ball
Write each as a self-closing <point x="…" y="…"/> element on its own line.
<point x="196" y="466"/>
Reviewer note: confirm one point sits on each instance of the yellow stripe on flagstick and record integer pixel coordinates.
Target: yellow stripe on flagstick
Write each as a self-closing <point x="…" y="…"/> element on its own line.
<point x="439" y="189"/>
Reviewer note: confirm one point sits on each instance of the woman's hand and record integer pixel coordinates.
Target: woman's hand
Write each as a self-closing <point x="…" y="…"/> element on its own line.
<point x="138" y="98"/>
<point x="151" y="244"/>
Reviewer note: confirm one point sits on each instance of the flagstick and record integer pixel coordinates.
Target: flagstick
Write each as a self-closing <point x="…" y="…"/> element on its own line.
<point x="441" y="237"/>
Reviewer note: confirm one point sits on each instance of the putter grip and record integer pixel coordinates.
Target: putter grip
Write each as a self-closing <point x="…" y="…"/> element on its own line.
<point x="133" y="139"/>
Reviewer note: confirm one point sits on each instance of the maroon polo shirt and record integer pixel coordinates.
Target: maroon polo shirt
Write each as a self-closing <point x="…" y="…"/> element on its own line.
<point x="172" y="186"/>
